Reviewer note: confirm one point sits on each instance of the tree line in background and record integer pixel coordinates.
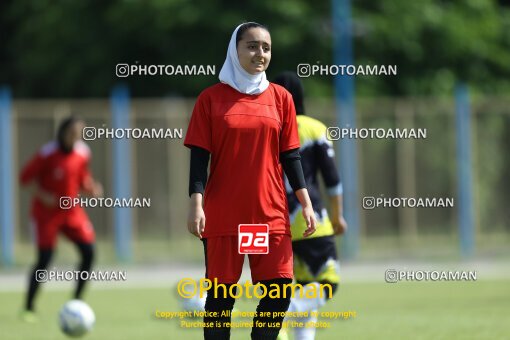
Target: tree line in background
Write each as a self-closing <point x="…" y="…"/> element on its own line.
<point x="70" y="48"/>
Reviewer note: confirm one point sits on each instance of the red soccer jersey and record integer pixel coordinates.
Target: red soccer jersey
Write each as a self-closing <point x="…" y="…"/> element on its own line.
<point x="245" y="135"/>
<point x="58" y="173"/>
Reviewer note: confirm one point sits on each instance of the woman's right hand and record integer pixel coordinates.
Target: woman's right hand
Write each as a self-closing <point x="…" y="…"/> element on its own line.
<point x="196" y="215"/>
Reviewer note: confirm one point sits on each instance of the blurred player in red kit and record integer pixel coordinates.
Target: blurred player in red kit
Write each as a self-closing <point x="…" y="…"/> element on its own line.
<point x="59" y="169"/>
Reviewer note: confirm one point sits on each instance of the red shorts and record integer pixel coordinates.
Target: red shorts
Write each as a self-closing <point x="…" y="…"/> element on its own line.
<point x="76" y="227"/>
<point x="223" y="261"/>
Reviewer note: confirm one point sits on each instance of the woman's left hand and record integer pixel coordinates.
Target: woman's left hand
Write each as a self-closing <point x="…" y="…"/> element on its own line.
<point x="311" y="222"/>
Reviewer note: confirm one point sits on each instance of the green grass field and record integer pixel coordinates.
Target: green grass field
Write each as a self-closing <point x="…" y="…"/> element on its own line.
<point x="414" y="310"/>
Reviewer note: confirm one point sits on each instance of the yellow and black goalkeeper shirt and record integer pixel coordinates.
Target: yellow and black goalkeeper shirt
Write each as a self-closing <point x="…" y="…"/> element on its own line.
<point x="317" y="155"/>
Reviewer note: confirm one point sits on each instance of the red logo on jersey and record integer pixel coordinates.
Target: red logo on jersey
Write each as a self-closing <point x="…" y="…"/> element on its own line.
<point x="253" y="239"/>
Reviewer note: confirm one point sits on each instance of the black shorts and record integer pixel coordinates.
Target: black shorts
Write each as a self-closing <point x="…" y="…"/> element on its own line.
<point x="316" y="260"/>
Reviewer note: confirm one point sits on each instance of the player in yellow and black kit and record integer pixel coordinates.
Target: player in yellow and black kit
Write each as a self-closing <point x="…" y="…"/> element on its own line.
<point x="315" y="258"/>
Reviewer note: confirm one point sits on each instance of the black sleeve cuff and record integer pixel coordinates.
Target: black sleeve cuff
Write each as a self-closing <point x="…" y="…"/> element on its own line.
<point x="198" y="170"/>
<point x="291" y="162"/>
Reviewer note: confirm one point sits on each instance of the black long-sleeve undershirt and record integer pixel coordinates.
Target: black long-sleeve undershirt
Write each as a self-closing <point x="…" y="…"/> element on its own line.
<point x="291" y="163"/>
<point x="198" y="170"/>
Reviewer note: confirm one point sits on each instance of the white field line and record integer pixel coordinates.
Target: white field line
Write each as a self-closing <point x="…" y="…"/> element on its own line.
<point x="168" y="276"/>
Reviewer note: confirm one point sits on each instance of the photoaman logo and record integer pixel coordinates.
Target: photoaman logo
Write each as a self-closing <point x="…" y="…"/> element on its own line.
<point x="253" y="239"/>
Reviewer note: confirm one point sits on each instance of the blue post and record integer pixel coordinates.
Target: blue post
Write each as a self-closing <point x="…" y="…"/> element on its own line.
<point x="464" y="174"/>
<point x="345" y="113"/>
<point x="6" y="179"/>
<point x="122" y="218"/>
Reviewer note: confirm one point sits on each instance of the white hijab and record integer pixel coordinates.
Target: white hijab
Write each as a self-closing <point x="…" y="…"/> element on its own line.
<point x="233" y="74"/>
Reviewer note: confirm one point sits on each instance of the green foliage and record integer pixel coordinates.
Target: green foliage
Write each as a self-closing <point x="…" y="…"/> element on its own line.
<point x="70" y="48"/>
<point x="435" y="44"/>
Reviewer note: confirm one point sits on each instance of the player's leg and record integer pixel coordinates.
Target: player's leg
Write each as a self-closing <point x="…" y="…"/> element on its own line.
<point x="310" y="307"/>
<point x="225" y="264"/>
<point x="223" y="306"/>
<point x="46" y="237"/>
<point x="79" y="230"/>
<point x="269" y="325"/>
<point x="315" y="267"/>
<point x="44" y="256"/>
<point x="307" y="332"/>
<point x="86" y="251"/>
<point x="272" y="270"/>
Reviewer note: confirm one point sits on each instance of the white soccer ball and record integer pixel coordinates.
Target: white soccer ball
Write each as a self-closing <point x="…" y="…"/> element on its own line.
<point x="76" y="318"/>
<point x="196" y="303"/>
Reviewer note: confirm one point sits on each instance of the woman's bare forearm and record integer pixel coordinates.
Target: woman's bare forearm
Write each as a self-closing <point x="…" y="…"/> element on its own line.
<point x="303" y="197"/>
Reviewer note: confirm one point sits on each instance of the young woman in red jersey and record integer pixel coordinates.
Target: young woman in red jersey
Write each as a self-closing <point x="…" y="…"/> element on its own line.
<point x="247" y="127"/>
<point x="59" y="169"/>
